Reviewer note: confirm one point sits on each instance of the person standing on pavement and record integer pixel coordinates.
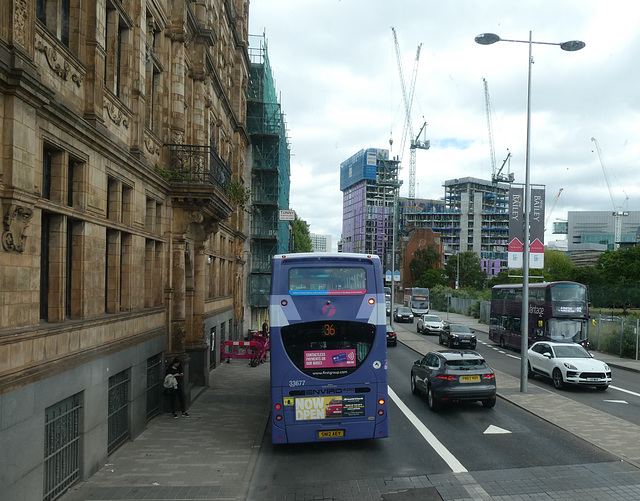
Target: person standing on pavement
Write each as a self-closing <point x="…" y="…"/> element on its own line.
<point x="177" y="392"/>
<point x="265" y="329"/>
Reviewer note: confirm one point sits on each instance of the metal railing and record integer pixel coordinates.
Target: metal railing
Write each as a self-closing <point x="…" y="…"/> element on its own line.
<point x="189" y="163"/>
<point x="61" y="447"/>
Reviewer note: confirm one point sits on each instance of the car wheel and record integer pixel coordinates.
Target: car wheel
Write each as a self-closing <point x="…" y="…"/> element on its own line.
<point x="489" y="403"/>
<point x="414" y="388"/>
<point x="450" y="344"/>
<point x="395" y="343"/>
<point x="602" y="387"/>
<point x="418" y="329"/>
<point x="530" y="372"/>
<point x="440" y="339"/>
<point x="557" y="379"/>
<point x="472" y="347"/>
<point x="434" y="405"/>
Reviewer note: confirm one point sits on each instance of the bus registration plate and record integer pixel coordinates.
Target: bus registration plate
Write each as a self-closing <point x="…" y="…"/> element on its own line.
<point x="469" y="379"/>
<point x="330" y="433"/>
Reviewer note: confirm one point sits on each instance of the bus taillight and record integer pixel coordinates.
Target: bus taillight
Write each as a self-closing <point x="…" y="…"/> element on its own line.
<point x="277" y="407"/>
<point x="284" y="302"/>
<point x="371" y="300"/>
<point x="278" y="417"/>
<point x="381" y="401"/>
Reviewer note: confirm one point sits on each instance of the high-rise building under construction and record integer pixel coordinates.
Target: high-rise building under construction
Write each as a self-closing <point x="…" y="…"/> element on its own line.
<point x="269" y="164"/>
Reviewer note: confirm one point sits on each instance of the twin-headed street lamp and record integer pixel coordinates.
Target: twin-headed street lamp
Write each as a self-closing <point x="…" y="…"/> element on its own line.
<point x="570" y="46"/>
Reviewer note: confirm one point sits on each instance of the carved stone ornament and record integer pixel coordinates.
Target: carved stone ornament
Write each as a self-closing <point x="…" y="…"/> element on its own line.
<point x="115" y="114"/>
<point x="62" y="69"/>
<point x="151" y="146"/>
<point x="20" y="22"/>
<point x="16" y="221"/>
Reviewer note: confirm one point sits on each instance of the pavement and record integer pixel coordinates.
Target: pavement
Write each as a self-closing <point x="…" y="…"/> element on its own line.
<point x="212" y="454"/>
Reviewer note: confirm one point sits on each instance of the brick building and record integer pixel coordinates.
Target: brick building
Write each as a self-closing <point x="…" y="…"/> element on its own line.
<point x="121" y="187"/>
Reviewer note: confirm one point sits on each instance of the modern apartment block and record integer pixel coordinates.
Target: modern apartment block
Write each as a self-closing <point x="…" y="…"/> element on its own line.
<point x="369" y="182"/>
<point x="320" y="243"/>
<point x="121" y="195"/>
<point x="472" y="216"/>
<point x="598" y="227"/>
<point x="269" y="162"/>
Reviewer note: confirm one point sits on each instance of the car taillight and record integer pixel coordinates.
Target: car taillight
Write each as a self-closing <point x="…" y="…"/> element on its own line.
<point x="491" y="375"/>
<point x="447" y="378"/>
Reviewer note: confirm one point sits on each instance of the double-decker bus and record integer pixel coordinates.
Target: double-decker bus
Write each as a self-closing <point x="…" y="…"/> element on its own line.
<point x="558" y="311"/>
<point x="328" y="348"/>
<point x="417" y="298"/>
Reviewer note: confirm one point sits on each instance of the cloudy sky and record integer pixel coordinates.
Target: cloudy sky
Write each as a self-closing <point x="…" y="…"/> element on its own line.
<point x="336" y="71"/>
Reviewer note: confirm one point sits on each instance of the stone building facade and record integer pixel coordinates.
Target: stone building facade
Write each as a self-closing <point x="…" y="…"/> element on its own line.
<point x="122" y="167"/>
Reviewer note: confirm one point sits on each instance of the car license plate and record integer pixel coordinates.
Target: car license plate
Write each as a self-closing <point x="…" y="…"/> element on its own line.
<point x="330" y="433"/>
<point x="593" y="379"/>
<point x="469" y="379"/>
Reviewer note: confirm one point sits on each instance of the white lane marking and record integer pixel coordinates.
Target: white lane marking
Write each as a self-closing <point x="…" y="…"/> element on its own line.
<point x="617" y="402"/>
<point x="495" y="430"/>
<point x="625" y="391"/>
<point x="431" y="439"/>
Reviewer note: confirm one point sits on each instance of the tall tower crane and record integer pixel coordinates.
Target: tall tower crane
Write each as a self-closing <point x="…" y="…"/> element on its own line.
<point x="618" y="210"/>
<point x="407" y="98"/>
<point x="496" y="174"/>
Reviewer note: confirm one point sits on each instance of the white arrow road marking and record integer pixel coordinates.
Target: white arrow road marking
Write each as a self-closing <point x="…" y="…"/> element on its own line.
<point x="625" y="391"/>
<point x="431" y="439"/>
<point x="494" y="430"/>
<point x="617" y="401"/>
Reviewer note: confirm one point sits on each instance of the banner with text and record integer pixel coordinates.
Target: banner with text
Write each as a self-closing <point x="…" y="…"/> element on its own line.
<point x="516" y="227"/>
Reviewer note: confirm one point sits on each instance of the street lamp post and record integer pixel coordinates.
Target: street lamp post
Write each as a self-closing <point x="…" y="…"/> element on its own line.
<point x="570" y="46"/>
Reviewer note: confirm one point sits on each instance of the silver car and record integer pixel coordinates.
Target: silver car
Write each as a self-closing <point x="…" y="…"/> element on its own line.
<point x="429" y="324"/>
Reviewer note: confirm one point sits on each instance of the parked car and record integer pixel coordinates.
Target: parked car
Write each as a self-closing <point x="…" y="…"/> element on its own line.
<point x="458" y="335"/>
<point x="429" y="324"/>
<point x="567" y="363"/>
<point x="392" y="337"/>
<point x="403" y="314"/>
<point x="449" y="376"/>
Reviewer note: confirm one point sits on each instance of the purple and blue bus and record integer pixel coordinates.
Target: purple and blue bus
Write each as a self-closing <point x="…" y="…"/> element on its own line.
<point x="328" y="348"/>
<point x="558" y="311"/>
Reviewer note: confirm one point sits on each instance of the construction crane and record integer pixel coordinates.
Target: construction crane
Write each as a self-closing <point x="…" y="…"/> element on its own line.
<point x="618" y="211"/>
<point x="407" y="97"/>
<point x="496" y="174"/>
<point x="553" y="206"/>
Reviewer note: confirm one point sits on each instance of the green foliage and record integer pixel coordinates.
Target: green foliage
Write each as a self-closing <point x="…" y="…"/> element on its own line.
<point x="557" y="266"/>
<point x="239" y="194"/>
<point x="470" y="273"/>
<point x="301" y="238"/>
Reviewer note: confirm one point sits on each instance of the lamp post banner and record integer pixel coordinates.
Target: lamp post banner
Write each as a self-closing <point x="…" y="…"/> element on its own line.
<point x="536" y="229"/>
<point x="516" y="226"/>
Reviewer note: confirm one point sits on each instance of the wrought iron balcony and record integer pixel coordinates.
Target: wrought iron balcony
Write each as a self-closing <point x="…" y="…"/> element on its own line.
<point x="194" y="164"/>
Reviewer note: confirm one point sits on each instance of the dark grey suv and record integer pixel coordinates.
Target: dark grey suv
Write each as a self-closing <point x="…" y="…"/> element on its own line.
<point x="449" y="376"/>
<point x="457" y="335"/>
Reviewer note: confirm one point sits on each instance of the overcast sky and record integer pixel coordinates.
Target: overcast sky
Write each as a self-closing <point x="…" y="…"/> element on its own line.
<point x="336" y="72"/>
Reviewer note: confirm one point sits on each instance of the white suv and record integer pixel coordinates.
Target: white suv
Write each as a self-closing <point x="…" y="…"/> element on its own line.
<point x="429" y="324"/>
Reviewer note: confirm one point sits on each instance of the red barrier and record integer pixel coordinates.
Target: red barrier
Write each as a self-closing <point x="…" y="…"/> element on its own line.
<point x="255" y="349"/>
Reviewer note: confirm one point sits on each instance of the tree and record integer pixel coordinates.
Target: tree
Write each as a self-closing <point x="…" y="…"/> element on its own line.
<point x="557" y="266"/>
<point x="470" y="273"/>
<point x="301" y="238"/>
<point x="423" y="260"/>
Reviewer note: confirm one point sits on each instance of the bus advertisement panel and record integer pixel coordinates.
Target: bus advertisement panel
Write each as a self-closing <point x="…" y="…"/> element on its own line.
<point x="328" y="348"/>
<point x="558" y="311"/>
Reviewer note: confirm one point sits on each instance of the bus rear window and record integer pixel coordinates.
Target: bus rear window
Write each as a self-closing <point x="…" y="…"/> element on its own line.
<point x="328" y="350"/>
<point x="328" y="279"/>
